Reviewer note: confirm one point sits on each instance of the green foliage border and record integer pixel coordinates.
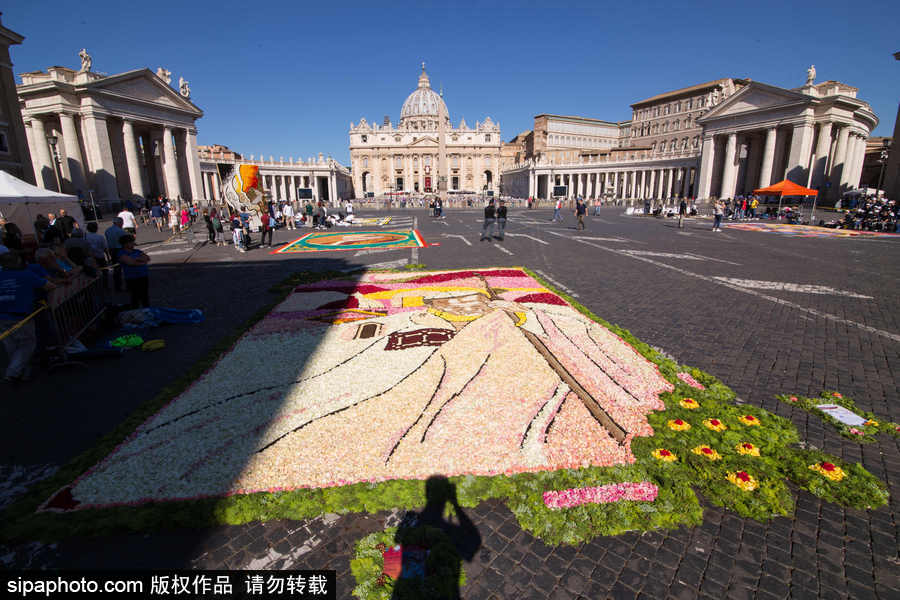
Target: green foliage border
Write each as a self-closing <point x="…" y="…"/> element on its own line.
<point x="829" y="397"/>
<point x="367" y="564"/>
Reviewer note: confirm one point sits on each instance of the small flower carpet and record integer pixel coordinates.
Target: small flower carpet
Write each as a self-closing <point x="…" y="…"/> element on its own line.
<point x="808" y="231"/>
<point x="329" y="241"/>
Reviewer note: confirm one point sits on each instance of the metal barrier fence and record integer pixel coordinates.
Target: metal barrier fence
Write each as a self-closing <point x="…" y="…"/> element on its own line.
<point x="74" y="314"/>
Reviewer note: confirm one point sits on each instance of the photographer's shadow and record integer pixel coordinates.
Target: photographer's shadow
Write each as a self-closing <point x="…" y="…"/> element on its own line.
<point x="441" y="562"/>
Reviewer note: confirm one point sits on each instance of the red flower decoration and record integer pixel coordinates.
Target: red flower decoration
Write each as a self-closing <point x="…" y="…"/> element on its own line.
<point x="707" y="450"/>
<point x="837" y="395"/>
<point x="748" y="445"/>
<point x="742" y="475"/>
<point x="828" y="466"/>
<point x="714" y="421"/>
<point x="793" y="398"/>
<point x="679" y="422"/>
<point x="664" y="452"/>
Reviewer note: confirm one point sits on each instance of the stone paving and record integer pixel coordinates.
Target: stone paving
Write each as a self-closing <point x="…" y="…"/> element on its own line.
<point x="642" y="273"/>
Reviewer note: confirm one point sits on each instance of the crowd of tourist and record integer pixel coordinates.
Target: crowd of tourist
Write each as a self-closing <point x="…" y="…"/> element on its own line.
<point x="870" y="214"/>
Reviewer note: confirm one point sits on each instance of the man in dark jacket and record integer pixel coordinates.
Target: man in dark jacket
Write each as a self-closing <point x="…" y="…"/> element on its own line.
<point x="489" y="217"/>
<point x="501" y="218"/>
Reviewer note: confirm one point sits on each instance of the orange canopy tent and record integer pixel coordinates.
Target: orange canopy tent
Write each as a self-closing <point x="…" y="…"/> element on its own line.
<point x="786" y="188"/>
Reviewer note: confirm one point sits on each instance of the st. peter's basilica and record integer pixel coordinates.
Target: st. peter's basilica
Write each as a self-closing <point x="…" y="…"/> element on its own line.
<point x="424" y="153"/>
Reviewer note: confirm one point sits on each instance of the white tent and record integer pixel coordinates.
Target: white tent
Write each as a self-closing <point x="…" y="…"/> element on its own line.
<point x="21" y="203"/>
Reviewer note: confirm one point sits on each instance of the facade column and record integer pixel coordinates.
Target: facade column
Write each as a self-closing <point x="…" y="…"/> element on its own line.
<point x="685" y="182"/>
<point x="73" y="152"/>
<point x="170" y="167"/>
<point x="193" y="161"/>
<point x="860" y="155"/>
<point x="531" y="183"/>
<point x="849" y="161"/>
<point x="838" y="165"/>
<point x="131" y="159"/>
<point x="822" y="148"/>
<point x="671" y="176"/>
<point x="96" y="138"/>
<point x="44" y="169"/>
<point x="730" y="169"/>
<point x="704" y="176"/>
<point x="332" y="188"/>
<point x="651" y="193"/>
<point x="768" y="159"/>
<point x="801" y="148"/>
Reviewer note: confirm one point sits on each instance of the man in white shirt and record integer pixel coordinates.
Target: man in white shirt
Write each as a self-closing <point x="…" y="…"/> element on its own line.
<point x="129" y="223"/>
<point x="288" y="212"/>
<point x="349" y="210"/>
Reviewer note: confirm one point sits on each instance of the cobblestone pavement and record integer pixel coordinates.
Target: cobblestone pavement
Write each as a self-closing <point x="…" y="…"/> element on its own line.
<point x="717" y="301"/>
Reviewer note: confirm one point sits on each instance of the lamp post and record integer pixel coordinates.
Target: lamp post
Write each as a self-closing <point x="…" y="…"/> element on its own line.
<point x="883" y="160"/>
<point x="53" y="141"/>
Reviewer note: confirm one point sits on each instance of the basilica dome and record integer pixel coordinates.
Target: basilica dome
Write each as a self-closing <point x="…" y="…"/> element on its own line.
<point x="423" y="105"/>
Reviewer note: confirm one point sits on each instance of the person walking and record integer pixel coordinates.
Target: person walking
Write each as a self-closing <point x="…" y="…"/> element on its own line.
<point x="237" y="236"/>
<point x="173" y="221"/>
<point x="219" y="229"/>
<point x="113" y="234"/>
<point x="682" y="211"/>
<point x="580" y="211"/>
<point x="134" y="268"/>
<point x="185" y="219"/>
<point x="556" y="214"/>
<point x="265" y="230"/>
<point x="501" y="219"/>
<point x="718" y="213"/>
<point x="487" y="230"/>
<point x="288" y="212"/>
<point x="308" y="211"/>
<point x="156" y="216"/>
<point x="210" y="228"/>
<point x="129" y="224"/>
<point x="753" y="204"/>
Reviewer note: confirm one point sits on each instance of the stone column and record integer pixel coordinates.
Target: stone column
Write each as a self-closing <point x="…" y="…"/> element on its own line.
<point x="822" y="147"/>
<point x="651" y="193"/>
<point x="729" y="173"/>
<point x="96" y="138"/>
<point x="768" y="159"/>
<point x="685" y="182"/>
<point x="838" y="166"/>
<point x="531" y="183"/>
<point x="192" y="155"/>
<point x="131" y="158"/>
<point x="670" y="176"/>
<point x="73" y="152"/>
<point x="44" y="169"/>
<point x="859" y="153"/>
<point x="801" y="148"/>
<point x="704" y="176"/>
<point x="332" y="188"/>
<point x="170" y="167"/>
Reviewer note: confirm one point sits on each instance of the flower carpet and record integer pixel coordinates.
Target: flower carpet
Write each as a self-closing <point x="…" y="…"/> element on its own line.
<point x="351" y="392"/>
<point x="808" y="231"/>
<point x="328" y="241"/>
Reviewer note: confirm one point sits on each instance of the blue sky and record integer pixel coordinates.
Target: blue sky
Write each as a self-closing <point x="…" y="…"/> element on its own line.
<point x="287" y="78"/>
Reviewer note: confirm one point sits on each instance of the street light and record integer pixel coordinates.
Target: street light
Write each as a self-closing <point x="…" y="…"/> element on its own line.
<point x="883" y="160"/>
<point x="53" y="140"/>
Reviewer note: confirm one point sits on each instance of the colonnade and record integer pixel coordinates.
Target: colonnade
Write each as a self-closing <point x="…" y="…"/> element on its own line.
<point x="119" y="158"/>
<point x="826" y="155"/>
<point x="638" y="183"/>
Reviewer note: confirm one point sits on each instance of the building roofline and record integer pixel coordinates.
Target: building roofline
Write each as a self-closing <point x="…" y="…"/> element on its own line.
<point x="687" y="90"/>
<point x="576" y="118"/>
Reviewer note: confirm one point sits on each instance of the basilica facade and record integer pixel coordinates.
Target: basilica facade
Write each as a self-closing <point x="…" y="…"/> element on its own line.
<point x="424" y="153"/>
